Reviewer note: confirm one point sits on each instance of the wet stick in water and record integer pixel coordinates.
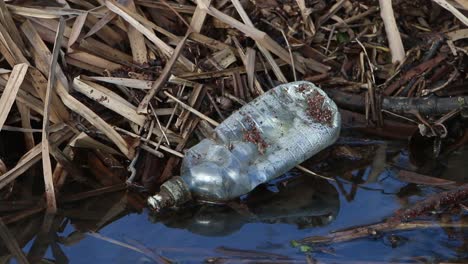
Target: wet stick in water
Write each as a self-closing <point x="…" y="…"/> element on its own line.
<point x="402" y="220"/>
<point x="433" y="202"/>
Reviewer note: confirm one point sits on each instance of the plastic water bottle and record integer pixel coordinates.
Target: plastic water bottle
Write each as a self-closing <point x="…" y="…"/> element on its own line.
<point x="261" y="141"/>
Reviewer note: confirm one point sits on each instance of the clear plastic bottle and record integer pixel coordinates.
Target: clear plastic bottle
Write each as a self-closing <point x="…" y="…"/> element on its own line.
<point x="264" y="139"/>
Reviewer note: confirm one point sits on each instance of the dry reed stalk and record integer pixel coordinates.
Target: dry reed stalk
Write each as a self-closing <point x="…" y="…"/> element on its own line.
<point x="331" y="11"/>
<point x="198" y="17"/>
<point x="261" y="44"/>
<point x="463" y="4"/>
<point x="49" y="13"/>
<point x="259" y="36"/>
<point x="100" y="24"/>
<point x="46" y="29"/>
<point x="11" y="90"/>
<point x="393" y="34"/>
<point x="76" y="30"/>
<point x="45" y="144"/>
<point x="213" y="44"/>
<point x="127" y="148"/>
<point x="7" y="21"/>
<point x="59" y="112"/>
<point x="224" y="73"/>
<point x="106" y="33"/>
<point x="250" y="69"/>
<point x="221" y="59"/>
<point x="109" y="99"/>
<point x="143" y="106"/>
<point x="94" y="60"/>
<point x="75" y="105"/>
<point x="127" y="82"/>
<point x="248" y="59"/>
<point x="191" y="109"/>
<point x="9" y="48"/>
<point x="82" y="140"/>
<point x="195" y="96"/>
<point x="25" y="114"/>
<point x="453" y="10"/>
<point x="131" y="18"/>
<point x="137" y="40"/>
<point x="31" y="158"/>
<point x="305" y="13"/>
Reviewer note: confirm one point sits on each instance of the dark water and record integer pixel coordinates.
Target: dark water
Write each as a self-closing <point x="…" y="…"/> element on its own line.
<point x="261" y="228"/>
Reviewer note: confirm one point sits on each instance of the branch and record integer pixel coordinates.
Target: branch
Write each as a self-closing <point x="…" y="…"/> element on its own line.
<point x="401" y="105"/>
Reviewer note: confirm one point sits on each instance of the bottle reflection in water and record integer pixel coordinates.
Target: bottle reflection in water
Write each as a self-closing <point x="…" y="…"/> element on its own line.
<point x="263" y="140"/>
<point x="304" y="202"/>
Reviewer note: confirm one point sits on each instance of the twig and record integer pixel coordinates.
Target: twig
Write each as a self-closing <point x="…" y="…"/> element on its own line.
<point x="402" y="105"/>
<point x="436" y="201"/>
<point x="173" y="152"/>
<point x="454" y="75"/>
<point x="293" y="66"/>
<point x="304" y="169"/>
<point x="163" y="131"/>
<point x="191" y="109"/>
<point x="373" y="230"/>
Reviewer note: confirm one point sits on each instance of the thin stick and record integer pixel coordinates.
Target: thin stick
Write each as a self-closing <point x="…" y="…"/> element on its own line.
<point x="178" y="15"/>
<point x="373" y="229"/>
<point x="304" y="169"/>
<point x="293" y="66"/>
<point x="169" y="150"/>
<point x="393" y="35"/>
<point x="452" y="76"/>
<point x="191" y="109"/>
<point x="152" y="151"/>
<point x="170" y="118"/>
<point x="21" y="129"/>
<point x="159" y="124"/>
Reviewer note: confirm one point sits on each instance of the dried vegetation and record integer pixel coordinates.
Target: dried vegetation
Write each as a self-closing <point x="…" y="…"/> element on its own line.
<point x="118" y="89"/>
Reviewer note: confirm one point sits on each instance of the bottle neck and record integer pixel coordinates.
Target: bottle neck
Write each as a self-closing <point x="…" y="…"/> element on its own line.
<point x="173" y="192"/>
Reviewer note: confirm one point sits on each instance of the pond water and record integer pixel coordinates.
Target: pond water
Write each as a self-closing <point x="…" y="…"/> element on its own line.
<point x="260" y="228"/>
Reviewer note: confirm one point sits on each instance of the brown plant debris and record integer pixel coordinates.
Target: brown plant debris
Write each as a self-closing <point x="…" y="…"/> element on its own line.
<point x="434" y="202"/>
<point x="138" y="81"/>
<point x="253" y="135"/>
<point x="317" y="110"/>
